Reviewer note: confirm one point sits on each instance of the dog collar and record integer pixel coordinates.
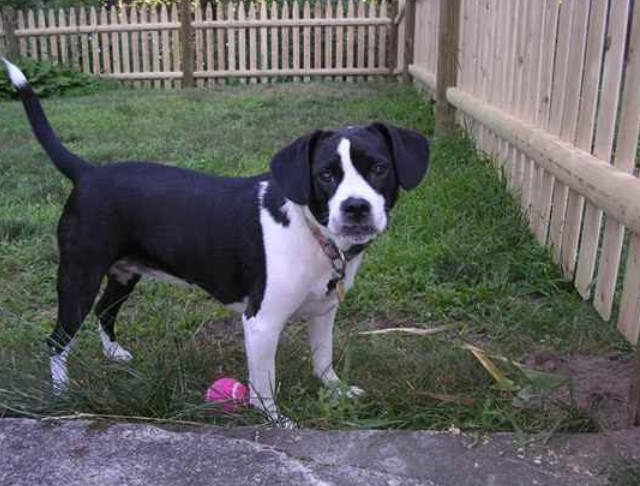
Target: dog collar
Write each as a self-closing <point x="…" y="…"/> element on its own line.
<point x="336" y="255"/>
<point x="338" y="258"/>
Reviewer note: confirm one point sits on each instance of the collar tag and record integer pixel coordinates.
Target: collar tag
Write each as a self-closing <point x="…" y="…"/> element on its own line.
<point x="339" y="263"/>
<point x="340" y="290"/>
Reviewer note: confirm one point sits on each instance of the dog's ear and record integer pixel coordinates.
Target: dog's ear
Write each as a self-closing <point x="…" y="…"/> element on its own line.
<point x="410" y="152"/>
<point x="291" y="168"/>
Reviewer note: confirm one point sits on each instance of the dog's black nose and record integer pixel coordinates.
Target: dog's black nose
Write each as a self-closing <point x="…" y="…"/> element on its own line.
<point x="355" y="209"/>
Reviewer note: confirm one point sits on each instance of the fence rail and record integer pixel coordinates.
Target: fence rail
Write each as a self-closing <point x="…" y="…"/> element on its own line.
<point x="349" y="39"/>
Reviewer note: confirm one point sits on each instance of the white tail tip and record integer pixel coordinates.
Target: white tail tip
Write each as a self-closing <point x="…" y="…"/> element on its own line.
<point x="16" y="76"/>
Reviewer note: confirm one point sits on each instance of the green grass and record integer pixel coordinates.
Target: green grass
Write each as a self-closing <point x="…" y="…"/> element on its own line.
<point x="457" y="253"/>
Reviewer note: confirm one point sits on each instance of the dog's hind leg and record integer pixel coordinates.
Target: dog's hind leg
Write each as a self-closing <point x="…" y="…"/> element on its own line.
<point x="78" y="286"/>
<point x="107" y="308"/>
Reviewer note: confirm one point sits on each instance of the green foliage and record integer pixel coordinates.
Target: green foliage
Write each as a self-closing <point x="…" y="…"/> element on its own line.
<point x="48" y="80"/>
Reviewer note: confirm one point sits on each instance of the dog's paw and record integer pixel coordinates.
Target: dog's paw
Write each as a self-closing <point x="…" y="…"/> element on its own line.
<point x="278" y="420"/>
<point x="284" y="422"/>
<point x="115" y="352"/>
<point x="59" y="388"/>
<point x="354" y="392"/>
<point x="340" y="390"/>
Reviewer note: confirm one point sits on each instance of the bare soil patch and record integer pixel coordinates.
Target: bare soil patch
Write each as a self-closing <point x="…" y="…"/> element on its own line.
<point x="600" y="384"/>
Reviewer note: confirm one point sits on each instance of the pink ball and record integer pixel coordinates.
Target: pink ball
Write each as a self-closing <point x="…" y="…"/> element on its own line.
<point x="229" y="393"/>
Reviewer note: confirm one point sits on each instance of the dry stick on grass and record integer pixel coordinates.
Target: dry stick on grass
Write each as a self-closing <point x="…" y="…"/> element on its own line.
<point x="418" y="331"/>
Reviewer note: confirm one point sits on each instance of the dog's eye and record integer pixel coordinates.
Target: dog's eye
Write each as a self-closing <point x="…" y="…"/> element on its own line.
<point x="326" y="175"/>
<point x="378" y="169"/>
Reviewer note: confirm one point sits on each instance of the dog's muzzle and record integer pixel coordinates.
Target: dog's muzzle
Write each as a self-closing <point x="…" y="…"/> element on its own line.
<point x="356" y="219"/>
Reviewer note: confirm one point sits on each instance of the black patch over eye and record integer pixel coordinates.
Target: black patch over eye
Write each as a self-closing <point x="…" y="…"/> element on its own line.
<point x="326" y="176"/>
<point x="379" y="169"/>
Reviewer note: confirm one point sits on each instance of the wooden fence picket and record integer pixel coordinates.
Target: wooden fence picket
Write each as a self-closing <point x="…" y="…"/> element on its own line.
<point x="21" y="24"/>
<point x="228" y="40"/>
<point x="350" y="40"/>
<point x="33" y="40"/>
<point x="105" y="53"/>
<point x="285" y="59"/>
<point x="264" y="42"/>
<point x="95" y="43"/>
<point x="165" y="46"/>
<point x="115" y="41"/>
<point x="210" y="43"/>
<point x="340" y="40"/>
<point x="329" y="38"/>
<point x="242" y="41"/>
<point x="276" y="39"/>
<point x="371" y="38"/>
<point x="80" y="52"/>
<point x="135" y="46"/>
<point x="306" y="40"/>
<point x="200" y="46"/>
<point x="295" y="39"/>
<point x="176" y="44"/>
<point x="317" y="38"/>
<point x="253" y="46"/>
<point x="613" y="230"/>
<point x="155" y="46"/>
<point x="382" y="46"/>
<point x="64" y="53"/>
<point x="573" y="87"/>
<point x="53" y="39"/>
<point x="360" y="40"/>
<point x="221" y="36"/>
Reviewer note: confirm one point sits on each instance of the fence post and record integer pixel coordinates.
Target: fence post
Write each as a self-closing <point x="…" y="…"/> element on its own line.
<point x="392" y="45"/>
<point x="447" y="73"/>
<point x="11" y="42"/>
<point x="410" y="23"/>
<point x="186" y="43"/>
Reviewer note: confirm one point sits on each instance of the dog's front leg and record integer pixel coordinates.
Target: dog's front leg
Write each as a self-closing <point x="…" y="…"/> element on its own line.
<point x="321" y="342"/>
<point x="261" y="335"/>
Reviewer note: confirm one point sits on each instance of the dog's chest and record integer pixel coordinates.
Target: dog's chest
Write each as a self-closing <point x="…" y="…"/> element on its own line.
<point x="319" y="299"/>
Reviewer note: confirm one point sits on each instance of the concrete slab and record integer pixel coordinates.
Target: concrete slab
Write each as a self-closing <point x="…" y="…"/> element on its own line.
<point x="74" y="453"/>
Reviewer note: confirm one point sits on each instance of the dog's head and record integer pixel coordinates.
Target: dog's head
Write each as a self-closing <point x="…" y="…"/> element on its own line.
<point x="349" y="178"/>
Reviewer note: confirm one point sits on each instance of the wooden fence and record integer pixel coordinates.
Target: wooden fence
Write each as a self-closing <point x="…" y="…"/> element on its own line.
<point x="254" y="42"/>
<point x="552" y="91"/>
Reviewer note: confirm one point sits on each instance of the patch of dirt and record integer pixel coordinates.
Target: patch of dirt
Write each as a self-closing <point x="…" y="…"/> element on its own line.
<point x="225" y="331"/>
<point x="601" y="384"/>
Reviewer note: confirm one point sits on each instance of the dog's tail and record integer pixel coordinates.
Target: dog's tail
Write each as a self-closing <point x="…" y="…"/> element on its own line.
<point x="68" y="163"/>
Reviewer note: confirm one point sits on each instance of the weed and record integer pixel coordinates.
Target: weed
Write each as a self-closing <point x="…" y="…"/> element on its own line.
<point x="49" y="79"/>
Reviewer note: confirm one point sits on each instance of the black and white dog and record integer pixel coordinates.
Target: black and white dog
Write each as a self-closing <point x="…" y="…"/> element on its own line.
<point x="276" y="246"/>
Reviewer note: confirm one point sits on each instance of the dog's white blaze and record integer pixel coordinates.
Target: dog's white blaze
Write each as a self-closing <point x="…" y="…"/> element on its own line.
<point x="297" y="272"/>
<point x="354" y="185"/>
<point x="17" y="77"/>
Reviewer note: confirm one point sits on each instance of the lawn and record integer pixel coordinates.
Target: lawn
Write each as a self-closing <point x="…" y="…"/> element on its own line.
<point x="457" y="254"/>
